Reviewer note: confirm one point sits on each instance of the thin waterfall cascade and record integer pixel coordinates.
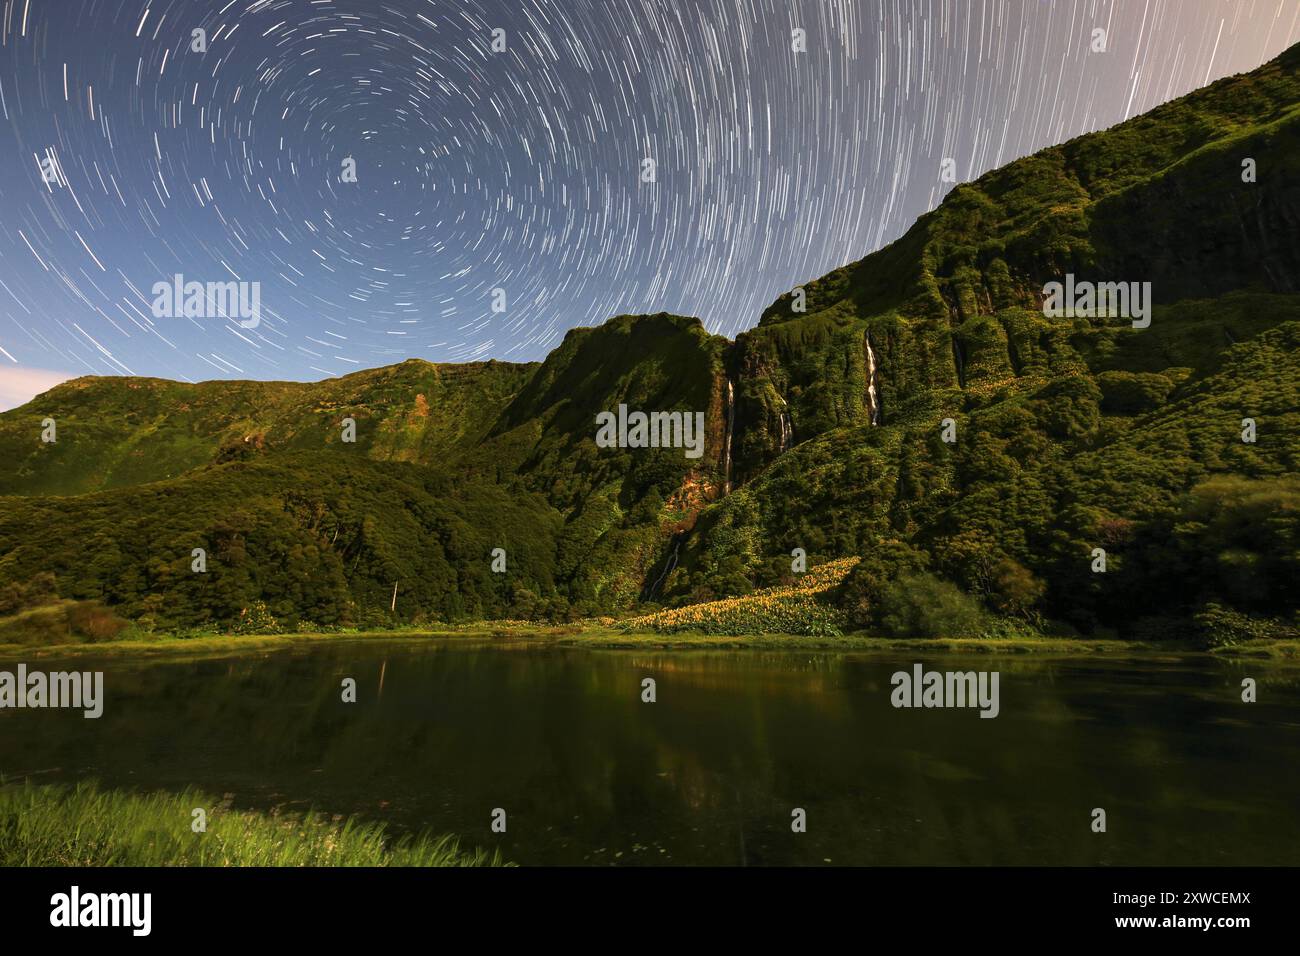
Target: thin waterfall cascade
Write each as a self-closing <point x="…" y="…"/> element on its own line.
<point x="653" y="592"/>
<point x="787" y="428"/>
<point x="726" y="446"/>
<point x="873" y="376"/>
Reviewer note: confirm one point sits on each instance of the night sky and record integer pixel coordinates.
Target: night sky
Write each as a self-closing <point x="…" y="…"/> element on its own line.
<point x="520" y="170"/>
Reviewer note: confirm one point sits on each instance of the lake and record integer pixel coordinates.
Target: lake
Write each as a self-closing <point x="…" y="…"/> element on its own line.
<point x="444" y="731"/>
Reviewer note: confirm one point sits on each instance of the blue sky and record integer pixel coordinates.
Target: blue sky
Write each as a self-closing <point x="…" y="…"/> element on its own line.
<point x="519" y="167"/>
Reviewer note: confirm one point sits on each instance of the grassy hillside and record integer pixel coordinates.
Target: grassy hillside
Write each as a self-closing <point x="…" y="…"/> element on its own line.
<point x="116" y="432"/>
<point x="825" y="431"/>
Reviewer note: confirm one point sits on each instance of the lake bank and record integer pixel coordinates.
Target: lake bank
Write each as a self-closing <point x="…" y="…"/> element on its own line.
<point x="609" y="638"/>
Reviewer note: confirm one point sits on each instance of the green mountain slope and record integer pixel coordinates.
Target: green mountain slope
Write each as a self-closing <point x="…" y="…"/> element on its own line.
<point x="955" y="303"/>
<point x="114" y="432"/>
<point x="824" y="430"/>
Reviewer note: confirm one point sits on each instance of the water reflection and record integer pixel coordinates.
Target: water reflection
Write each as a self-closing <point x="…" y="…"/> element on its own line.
<point x="444" y="731"/>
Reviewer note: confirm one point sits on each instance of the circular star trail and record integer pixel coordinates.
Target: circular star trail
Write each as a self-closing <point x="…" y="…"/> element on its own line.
<point x="566" y="160"/>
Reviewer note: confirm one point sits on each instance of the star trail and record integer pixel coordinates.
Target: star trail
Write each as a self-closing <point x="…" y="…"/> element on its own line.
<point x="501" y="153"/>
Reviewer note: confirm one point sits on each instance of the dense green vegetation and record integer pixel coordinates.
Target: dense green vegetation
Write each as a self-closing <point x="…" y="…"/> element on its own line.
<point x="1069" y="435"/>
<point x="85" y="826"/>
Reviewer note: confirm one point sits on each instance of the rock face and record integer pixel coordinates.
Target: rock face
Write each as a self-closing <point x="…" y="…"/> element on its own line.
<point x="823" y="423"/>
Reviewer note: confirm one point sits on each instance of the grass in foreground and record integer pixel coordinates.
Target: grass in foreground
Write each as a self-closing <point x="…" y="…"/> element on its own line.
<point x="86" y="826"/>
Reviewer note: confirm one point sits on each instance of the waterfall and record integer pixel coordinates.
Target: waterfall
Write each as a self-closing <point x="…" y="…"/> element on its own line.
<point x="783" y="419"/>
<point x="653" y="591"/>
<point x="726" y="446"/>
<point x="873" y="396"/>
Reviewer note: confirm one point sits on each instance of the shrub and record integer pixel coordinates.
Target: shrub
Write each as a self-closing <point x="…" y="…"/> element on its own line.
<point x="864" y="586"/>
<point x="1015" y="589"/>
<point x="1132" y="393"/>
<point x="20" y="595"/>
<point x="922" y="605"/>
<point x="94" y="621"/>
<point x="256" y="619"/>
<point x="39" y="626"/>
<point x="1219" y="626"/>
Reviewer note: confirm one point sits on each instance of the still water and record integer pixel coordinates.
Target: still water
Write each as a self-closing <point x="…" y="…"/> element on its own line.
<point x="446" y="730"/>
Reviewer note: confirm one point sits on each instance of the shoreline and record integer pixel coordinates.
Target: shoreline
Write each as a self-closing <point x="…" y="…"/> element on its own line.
<point x="604" y="638"/>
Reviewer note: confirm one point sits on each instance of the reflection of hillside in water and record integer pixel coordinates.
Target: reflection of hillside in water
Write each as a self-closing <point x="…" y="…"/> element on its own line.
<point x="559" y="737"/>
